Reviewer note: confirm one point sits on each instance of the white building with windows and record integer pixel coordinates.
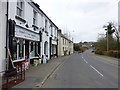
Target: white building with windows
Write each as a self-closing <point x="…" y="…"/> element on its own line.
<point x="31" y="34"/>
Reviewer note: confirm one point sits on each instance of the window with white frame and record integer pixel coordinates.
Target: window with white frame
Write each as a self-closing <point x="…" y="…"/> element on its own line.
<point x="51" y="29"/>
<point x="45" y="24"/>
<point x="55" y="32"/>
<point x="20" y="8"/>
<point x="34" y="17"/>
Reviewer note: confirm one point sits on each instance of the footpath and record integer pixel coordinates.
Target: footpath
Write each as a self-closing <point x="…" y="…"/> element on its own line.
<point x="37" y="75"/>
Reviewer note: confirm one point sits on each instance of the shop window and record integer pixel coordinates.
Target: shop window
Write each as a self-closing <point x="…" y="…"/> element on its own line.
<point x="14" y="49"/>
<point x="31" y="46"/>
<point x="32" y="53"/>
<point x="36" y="49"/>
<point x="46" y="48"/>
<point x="52" y="49"/>
<point x="39" y="48"/>
<point x="21" y="49"/>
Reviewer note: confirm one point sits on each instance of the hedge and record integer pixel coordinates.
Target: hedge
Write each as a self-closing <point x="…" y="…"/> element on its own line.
<point x="111" y="53"/>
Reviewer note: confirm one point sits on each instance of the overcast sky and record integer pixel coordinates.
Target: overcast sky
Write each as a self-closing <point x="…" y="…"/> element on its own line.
<point x="84" y="19"/>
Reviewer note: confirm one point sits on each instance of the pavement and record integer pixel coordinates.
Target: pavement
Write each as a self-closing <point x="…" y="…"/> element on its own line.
<point x="37" y="75"/>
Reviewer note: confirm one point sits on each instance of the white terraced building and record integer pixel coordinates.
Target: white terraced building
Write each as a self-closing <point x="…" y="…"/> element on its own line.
<point x="30" y="33"/>
<point x="3" y="18"/>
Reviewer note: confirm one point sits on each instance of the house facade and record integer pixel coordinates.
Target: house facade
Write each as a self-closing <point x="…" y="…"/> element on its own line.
<point x="30" y="34"/>
<point x="3" y="22"/>
<point x="65" y="45"/>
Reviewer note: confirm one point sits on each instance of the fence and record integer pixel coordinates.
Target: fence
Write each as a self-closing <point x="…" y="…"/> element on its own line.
<point x="13" y="77"/>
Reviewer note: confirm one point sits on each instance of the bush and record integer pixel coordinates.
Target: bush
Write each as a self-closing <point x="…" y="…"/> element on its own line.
<point x="100" y="52"/>
<point x="111" y="53"/>
<point x="114" y="53"/>
<point x="83" y="49"/>
<point x="106" y="53"/>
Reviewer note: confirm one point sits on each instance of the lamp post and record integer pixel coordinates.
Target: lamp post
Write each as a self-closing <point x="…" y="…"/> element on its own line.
<point x="107" y="40"/>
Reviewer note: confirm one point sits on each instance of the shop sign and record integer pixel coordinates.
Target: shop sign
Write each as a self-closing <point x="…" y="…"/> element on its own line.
<point x="25" y="34"/>
<point x="54" y="42"/>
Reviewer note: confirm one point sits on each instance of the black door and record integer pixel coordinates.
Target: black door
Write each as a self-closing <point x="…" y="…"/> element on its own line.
<point x="27" y="48"/>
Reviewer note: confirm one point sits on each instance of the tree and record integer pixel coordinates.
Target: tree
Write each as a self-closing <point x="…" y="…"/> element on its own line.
<point x="117" y="34"/>
<point x="109" y="28"/>
<point x="77" y="47"/>
<point x="109" y="32"/>
<point x="101" y="44"/>
<point x="108" y="42"/>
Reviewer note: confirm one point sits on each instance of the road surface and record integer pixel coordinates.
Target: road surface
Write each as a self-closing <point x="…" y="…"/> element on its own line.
<point x="85" y="70"/>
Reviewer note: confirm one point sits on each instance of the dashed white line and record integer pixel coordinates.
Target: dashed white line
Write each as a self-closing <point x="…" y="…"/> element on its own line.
<point x="96" y="70"/>
<point x="93" y="67"/>
<point x="85" y="61"/>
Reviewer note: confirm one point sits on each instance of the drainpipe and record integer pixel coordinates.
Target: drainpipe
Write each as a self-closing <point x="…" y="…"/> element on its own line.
<point x="7" y="36"/>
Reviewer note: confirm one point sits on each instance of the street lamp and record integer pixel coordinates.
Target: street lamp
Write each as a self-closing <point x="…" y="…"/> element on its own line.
<point x="107" y="40"/>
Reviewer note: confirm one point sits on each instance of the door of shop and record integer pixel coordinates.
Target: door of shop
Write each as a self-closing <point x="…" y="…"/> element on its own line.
<point x="27" y="48"/>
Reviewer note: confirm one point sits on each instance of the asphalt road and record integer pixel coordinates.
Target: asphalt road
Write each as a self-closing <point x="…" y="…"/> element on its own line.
<point x="85" y="70"/>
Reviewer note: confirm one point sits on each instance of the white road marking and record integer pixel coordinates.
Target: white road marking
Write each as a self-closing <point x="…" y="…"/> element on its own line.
<point x="96" y="70"/>
<point x="85" y="61"/>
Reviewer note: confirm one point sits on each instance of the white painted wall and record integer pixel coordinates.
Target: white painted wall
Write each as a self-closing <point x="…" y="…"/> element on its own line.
<point x="3" y="8"/>
<point x="0" y="37"/>
<point x="119" y="15"/>
<point x="45" y="37"/>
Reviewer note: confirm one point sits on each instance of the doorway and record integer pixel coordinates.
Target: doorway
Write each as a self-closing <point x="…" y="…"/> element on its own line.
<point x="27" y="48"/>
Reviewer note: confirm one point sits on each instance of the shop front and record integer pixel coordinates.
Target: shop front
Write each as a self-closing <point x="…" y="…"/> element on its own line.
<point x="54" y="49"/>
<point x="24" y="46"/>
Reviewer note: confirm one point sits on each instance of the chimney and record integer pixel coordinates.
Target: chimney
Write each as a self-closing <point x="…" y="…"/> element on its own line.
<point x="60" y="31"/>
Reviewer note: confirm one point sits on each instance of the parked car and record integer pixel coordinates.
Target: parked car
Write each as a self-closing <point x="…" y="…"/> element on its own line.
<point x="92" y="51"/>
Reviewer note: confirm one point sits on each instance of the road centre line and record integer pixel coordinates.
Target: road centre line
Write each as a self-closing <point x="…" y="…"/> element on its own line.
<point x="85" y="61"/>
<point x="93" y="67"/>
<point x="96" y="70"/>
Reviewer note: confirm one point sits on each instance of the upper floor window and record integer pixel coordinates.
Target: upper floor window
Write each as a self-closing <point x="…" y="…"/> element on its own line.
<point x="55" y="32"/>
<point x="34" y="17"/>
<point x="20" y="7"/>
<point x="63" y="41"/>
<point x="51" y="29"/>
<point x="45" y="25"/>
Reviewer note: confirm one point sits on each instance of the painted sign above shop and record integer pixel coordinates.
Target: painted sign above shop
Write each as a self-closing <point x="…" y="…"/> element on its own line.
<point x="25" y="34"/>
<point x="54" y="42"/>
